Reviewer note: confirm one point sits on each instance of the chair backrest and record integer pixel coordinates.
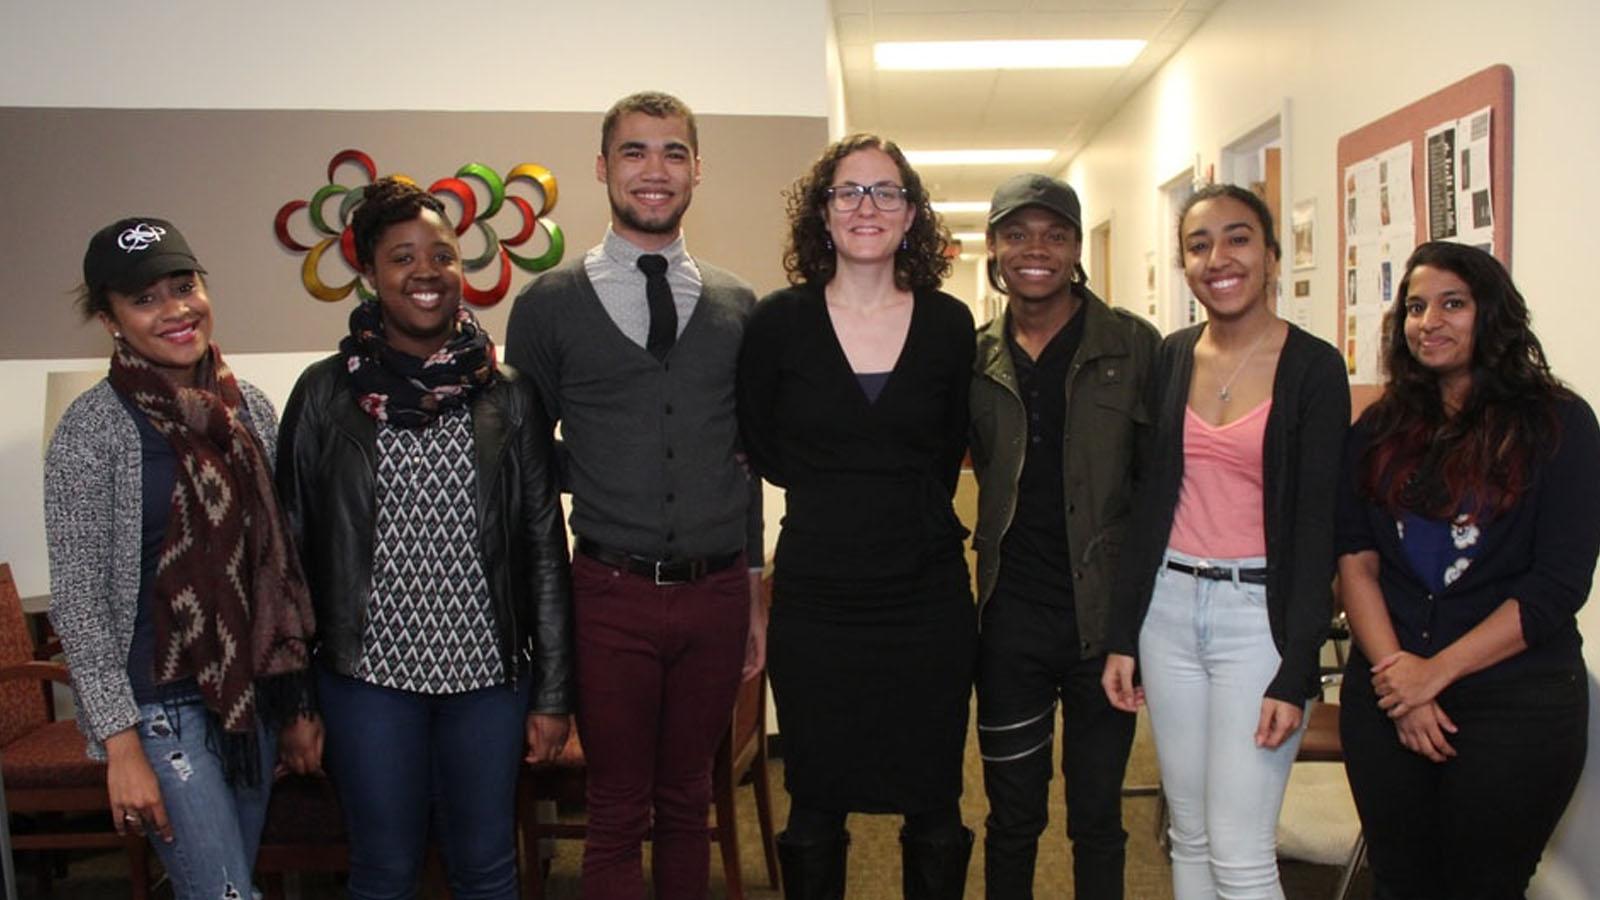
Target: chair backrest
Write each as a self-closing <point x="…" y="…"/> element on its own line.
<point x="22" y="706"/>
<point x="749" y="706"/>
<point x="749" y="712"/>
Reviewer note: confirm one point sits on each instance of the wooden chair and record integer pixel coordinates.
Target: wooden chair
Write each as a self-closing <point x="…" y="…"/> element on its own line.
<point x="741" y="758"/>
<point x="46" y="772"/>
<point x="304" y="832"/>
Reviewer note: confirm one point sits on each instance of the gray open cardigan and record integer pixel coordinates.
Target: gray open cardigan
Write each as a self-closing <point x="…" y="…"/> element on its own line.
<point x="93" y="515"/>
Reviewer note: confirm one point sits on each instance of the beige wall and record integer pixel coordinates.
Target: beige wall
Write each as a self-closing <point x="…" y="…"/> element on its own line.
<point x="1335" y="67"/>
<point x="221" y="176"/>
<point x="215" y="114"/>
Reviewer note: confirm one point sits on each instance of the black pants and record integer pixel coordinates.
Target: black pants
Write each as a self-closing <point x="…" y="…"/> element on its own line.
<point x="1474" y="826"/>
<point x="1028" y="658"/>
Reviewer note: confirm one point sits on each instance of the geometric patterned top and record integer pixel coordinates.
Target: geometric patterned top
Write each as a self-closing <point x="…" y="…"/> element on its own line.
<point x="429" y="626"/>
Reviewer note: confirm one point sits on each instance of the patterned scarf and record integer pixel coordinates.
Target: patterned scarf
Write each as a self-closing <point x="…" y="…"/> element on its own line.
<point x="232" y="608"/>
<point x="404" y="390"/>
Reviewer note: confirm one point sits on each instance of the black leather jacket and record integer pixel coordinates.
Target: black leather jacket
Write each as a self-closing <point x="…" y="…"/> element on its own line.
<point x="327" y="465"/>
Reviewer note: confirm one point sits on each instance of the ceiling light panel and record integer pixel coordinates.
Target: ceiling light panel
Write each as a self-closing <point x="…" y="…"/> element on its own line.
<point x="959" y="207"/>
<point x="925" y="56"/>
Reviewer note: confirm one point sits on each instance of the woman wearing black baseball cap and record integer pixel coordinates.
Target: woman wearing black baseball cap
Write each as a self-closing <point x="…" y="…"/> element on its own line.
<point x="174" y="587"/>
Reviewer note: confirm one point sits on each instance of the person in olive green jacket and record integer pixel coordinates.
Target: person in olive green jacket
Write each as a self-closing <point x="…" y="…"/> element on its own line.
<point x="1058" y="418"/>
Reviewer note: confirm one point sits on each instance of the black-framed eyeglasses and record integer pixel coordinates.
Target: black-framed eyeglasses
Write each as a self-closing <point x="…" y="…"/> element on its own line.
<point x="886" y="197"/>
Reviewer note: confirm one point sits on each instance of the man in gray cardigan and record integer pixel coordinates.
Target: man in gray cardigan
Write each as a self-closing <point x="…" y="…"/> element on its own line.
<point x="633" y="350"/>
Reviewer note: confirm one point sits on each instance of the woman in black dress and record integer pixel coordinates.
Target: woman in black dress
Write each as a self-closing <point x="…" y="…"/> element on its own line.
<point x="853" y="397"/>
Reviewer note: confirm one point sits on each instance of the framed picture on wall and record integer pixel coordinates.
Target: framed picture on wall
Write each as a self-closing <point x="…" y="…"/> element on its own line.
<point x="1303" y="226"/>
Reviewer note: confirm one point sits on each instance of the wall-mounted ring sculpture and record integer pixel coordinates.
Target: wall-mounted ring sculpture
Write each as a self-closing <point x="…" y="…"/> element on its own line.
<point x="475" y="212"/>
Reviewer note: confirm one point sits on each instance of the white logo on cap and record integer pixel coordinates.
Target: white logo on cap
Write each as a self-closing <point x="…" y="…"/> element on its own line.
<point x="140" y="236"/>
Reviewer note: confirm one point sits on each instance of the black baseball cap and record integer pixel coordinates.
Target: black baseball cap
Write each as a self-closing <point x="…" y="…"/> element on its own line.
<point x="131" y="253"/>
<point x="1034" y="189"/>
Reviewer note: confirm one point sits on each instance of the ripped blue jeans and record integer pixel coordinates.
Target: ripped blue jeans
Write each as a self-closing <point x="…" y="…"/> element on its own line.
<point x="216" y="827"/>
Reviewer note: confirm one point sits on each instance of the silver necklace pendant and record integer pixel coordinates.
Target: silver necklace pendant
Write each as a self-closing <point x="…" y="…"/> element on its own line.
<point x="1224" y="395"/>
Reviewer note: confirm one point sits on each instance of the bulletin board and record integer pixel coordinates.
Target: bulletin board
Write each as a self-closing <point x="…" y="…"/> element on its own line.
<point x="1385" y="140"/>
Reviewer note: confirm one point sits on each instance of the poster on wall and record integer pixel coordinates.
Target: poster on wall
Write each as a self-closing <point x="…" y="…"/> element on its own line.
<point x="1303" y="223"/>
<point x="1460" y="200"/>
<point x="1380" y="228"/>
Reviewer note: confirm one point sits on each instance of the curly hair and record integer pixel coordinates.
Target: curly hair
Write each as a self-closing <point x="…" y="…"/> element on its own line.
<point x="808" y="256"/>
<point x="654" y="104"/>
<point x="1425" y="459"/>
<point x="1269" y="231"/>
<point x="386" y="202"/>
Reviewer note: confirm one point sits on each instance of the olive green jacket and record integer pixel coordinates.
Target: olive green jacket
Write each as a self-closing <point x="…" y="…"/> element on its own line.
<point x="1107" y="421"/>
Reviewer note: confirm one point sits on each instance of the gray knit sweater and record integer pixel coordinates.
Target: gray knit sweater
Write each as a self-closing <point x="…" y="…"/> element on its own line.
<point x="93" y="523"/>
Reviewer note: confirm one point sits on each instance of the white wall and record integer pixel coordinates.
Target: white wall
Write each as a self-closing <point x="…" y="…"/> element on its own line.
<point x="732" y="57"/>
<point x="753" y="57"/>
<point x="1342" y="65"/>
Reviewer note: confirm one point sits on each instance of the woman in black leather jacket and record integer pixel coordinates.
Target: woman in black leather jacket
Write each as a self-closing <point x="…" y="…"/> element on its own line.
<point x="418" y="478"/>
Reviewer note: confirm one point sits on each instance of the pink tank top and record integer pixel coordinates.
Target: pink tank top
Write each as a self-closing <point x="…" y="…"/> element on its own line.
<point x="1220" y="507"/>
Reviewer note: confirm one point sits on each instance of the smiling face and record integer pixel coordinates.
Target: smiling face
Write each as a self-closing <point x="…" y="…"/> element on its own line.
<point x="1036" y="253"/>
<point x="867" y="234"/>
<point x="1440" y="317"/>
<point x="416" y="271"/>
<point x="650" y="170"/>
<point x="1226" y="259"/>
<point x="168" y="323"/>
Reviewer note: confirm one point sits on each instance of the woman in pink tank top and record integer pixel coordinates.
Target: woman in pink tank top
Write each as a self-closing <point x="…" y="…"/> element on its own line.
<point x="1223" y="599"/>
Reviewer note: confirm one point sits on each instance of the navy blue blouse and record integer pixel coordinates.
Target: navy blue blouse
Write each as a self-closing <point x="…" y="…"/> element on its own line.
<point x="1540" y="552"/>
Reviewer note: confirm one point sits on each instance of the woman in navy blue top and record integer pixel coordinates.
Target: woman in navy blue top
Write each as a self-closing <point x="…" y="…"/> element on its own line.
<point x="1468" y="534"/>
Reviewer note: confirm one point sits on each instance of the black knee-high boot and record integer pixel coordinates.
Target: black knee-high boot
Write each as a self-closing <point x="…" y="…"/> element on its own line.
<point x="813" y="870"/>
<point x="935" y="869"/>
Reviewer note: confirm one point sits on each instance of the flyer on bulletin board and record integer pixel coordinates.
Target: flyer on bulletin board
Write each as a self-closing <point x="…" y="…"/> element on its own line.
<point x="1460" y="199"/>
<point x="1380" y="228"/>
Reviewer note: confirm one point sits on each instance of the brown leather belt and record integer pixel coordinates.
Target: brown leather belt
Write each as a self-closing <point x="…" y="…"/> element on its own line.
<point x="664" y="571"/>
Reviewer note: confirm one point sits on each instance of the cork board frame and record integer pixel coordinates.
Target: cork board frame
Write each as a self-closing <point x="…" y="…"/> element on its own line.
<point x="1491" y="87"/>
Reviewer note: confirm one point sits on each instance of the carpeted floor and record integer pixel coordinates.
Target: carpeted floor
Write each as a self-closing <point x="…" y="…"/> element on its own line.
<point x="874" y="854"/>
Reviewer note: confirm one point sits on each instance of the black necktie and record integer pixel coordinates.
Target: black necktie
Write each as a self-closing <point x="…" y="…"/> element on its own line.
<point x="663" y="315"/>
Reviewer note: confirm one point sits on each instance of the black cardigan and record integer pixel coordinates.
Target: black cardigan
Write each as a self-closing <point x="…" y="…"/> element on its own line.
<point x="1541" y="551"/>
<point x="1301" y="455"/>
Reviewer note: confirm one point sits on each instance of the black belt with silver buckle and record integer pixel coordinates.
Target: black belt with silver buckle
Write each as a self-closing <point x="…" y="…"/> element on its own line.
<point x="664" y="571"/>
<point x="1220" y="573"/>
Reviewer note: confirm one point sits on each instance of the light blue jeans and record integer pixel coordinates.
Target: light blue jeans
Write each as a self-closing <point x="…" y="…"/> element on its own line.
<point x="1207" y="655"/>
<point x="216" y="827"/>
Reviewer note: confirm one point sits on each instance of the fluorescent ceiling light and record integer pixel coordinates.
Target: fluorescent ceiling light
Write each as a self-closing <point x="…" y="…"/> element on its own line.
<point x="978" y="157"/>
<point x="970" y="55"/>
<point x="957" y="207"/>
<point x="969" y="236"/>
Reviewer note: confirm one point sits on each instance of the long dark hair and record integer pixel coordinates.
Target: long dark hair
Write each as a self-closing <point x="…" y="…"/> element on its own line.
<point x="809" y="258"/>
<point x="1477" y="461"/>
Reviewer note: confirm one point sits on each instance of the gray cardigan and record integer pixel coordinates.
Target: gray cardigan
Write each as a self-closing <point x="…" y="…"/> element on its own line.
<point x="93" y="516"/>
<point x="652" y="449"/>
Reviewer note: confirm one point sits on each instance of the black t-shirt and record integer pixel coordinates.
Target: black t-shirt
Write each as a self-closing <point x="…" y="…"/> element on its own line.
<point x="1034" y="560"/>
